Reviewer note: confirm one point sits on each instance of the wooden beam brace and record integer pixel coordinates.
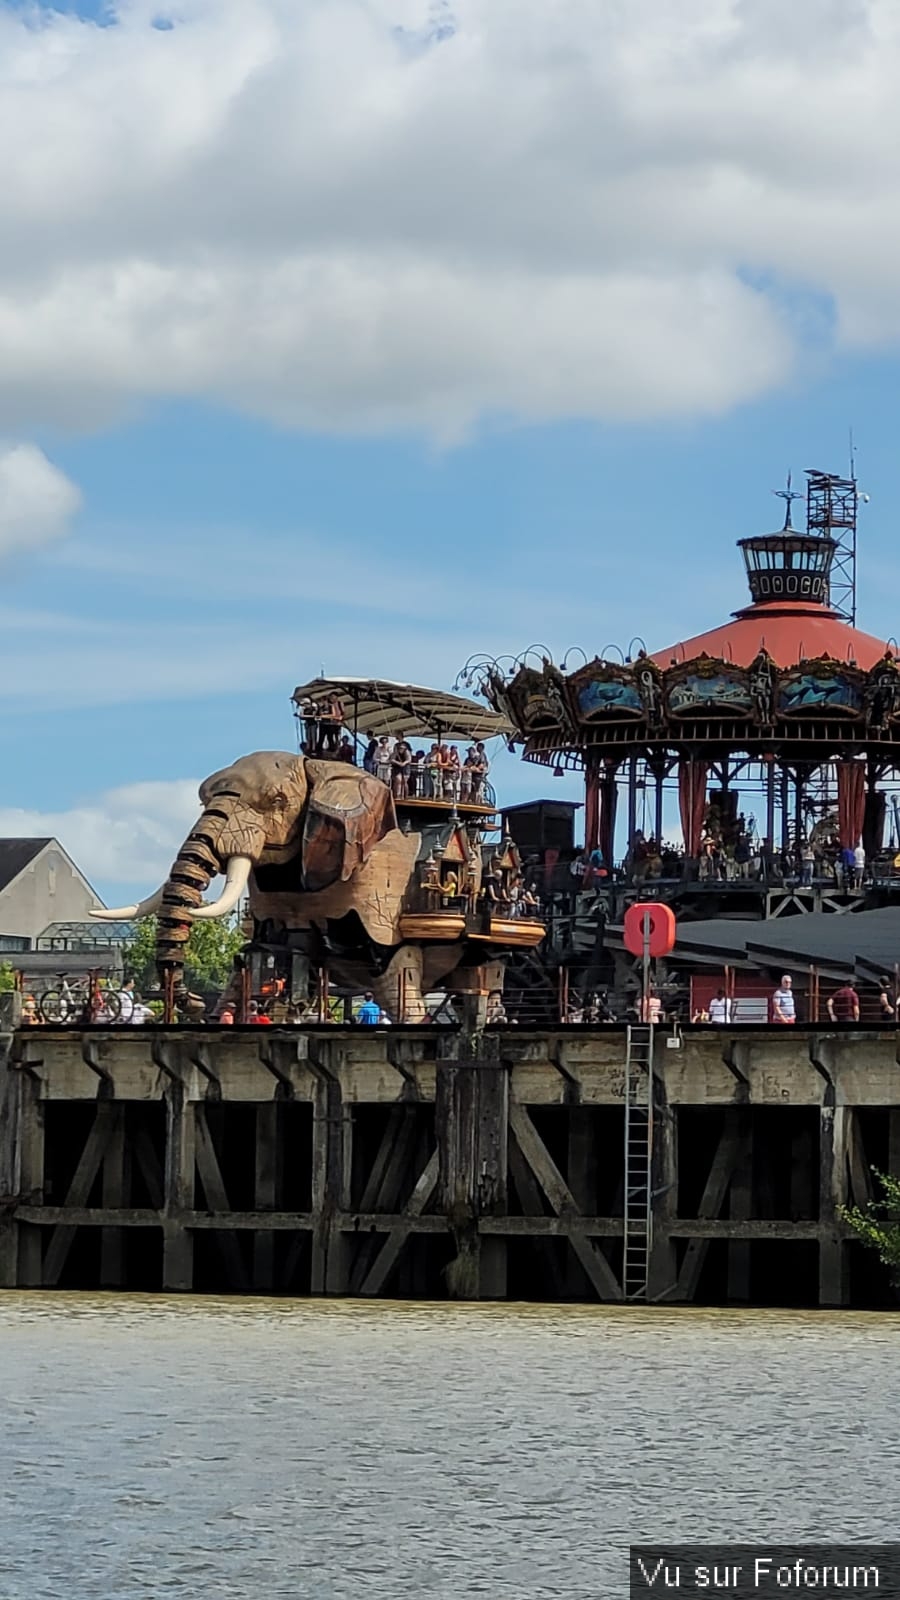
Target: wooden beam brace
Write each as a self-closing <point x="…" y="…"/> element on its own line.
<point x="728" y="1153"/>
<point x="536" y="1222"/>
<point x="384" y="1262"/>
<point x="198" y="1055"/>
<point x="90" y="1055"/>
<point x="210" y="1175"/>
<point x="146" y="1158"/>
<point x="88" y="1166"/>
<point x="861" y="1185"/>
<point x="537" y="1156"/>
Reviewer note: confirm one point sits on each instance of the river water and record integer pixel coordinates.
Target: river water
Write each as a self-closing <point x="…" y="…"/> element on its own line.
<point x="266" y="1449"/>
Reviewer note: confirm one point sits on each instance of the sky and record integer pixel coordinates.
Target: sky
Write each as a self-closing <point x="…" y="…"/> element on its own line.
<point x="366" y="335"/>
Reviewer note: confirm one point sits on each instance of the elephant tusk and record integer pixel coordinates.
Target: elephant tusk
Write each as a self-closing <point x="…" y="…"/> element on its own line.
<point x="237" y="876"/>
<point x="144" y="908"/>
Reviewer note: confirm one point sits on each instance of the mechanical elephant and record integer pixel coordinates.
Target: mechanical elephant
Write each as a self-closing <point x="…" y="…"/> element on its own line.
<point x="267" y="809"/>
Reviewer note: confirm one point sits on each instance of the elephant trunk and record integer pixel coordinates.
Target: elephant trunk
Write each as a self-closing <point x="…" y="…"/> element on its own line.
<point x="196" y="864"/>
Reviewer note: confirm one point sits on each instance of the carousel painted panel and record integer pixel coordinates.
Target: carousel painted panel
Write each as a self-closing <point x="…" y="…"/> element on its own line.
<point x="532" y="700"/>
<point x="707" y="687"/>
<point x="602" y="690"/>
<point x="820" y="688"/>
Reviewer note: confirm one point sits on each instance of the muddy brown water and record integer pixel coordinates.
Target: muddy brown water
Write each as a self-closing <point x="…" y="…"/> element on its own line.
<point x="282" y="1449"/>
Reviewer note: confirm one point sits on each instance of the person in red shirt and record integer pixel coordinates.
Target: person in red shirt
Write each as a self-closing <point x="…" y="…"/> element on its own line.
<point x="258" y="1016"/>
<point x="843" y="1005"/>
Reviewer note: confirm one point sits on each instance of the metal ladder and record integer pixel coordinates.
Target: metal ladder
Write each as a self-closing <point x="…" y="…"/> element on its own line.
<point x="638" y="1216"/>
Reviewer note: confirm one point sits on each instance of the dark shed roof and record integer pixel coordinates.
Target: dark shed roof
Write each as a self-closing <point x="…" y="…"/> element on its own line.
<point x="16" y="855"/>
<point x="821" y="939"/>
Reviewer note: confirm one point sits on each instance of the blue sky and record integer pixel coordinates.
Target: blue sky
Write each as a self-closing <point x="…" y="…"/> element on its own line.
<point x="257" y="422"/>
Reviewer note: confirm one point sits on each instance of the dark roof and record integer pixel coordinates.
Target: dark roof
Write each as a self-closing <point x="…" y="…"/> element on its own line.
<point x="841" y="942"/>
<point x="535" y="805"/>
<point x="16" y="855"/>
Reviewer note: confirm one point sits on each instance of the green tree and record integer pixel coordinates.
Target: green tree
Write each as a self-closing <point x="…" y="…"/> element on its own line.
<point x="7" y="978"/>
<point x="878" y="1223"/>
<point x="208" y="956"/>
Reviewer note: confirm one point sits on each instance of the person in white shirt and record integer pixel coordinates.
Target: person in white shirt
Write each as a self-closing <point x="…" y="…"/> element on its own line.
<point x="721" y="1009"/>
<point x="783" y="1007"/>
<point x="859" y="866"/>
<point x="126" y="1001"/>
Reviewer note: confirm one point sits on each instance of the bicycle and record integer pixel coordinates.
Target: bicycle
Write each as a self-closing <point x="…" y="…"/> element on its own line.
<point x="85" y="1000"/>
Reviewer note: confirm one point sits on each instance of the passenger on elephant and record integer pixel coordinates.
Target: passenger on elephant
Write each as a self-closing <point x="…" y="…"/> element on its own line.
<point x="452" y="773"/>
<point x="401" y="760"/>
<point x="255" y="1015"/>
<point x="369" y="757"/>
<point x="482" y="768"/>
<point x="469" y="777"/>
<point x="433" y="773"/>
<point x="383" y="754"/>
<point x="417" y="775"/>
<point x="331" y="719"/>
<point x="490" y="892"/>
<point x="345" y="751"/>
<point x="449" y="887"/>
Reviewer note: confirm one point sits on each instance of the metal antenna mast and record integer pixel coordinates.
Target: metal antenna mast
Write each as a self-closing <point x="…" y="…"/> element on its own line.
<point x="831" y="510"/>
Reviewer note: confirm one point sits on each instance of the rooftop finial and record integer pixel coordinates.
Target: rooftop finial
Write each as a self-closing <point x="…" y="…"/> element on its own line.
<point x="788" y="495"/>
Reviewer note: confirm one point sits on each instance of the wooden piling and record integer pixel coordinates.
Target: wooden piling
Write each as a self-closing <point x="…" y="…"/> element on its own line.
<point x="472" y="1119"/>
<point x="178" y="1192"/>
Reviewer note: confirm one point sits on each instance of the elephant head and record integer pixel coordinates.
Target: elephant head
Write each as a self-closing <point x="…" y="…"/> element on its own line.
<point x="264" y="810"/>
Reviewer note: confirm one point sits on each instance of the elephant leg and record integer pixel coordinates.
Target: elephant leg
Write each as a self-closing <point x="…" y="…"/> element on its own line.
<point x="399" y="988"/>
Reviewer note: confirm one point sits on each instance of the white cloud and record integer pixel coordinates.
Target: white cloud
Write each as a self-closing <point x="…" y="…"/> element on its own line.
<point x="366" y="215"/>
<point x="37" y="501"/>
<point x="129" y="835"/>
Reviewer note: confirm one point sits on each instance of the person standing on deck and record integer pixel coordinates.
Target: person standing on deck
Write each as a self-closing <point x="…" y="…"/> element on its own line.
<point x="401" y="760"/>
<point x="843" y="1005"/>
<point x="783" y="1006"/>
<point x="369" y="1012"/>
<point x="383" y="753"/>
<point x="721" y="1009"/>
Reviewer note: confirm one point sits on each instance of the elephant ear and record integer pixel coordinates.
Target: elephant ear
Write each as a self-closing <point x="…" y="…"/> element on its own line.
<point x="346" y="815"/>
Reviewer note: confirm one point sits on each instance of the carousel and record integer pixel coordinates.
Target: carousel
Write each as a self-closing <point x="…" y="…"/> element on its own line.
<point x="766" y="750"/>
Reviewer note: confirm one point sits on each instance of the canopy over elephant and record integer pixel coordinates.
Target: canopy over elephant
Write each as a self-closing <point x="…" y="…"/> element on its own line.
<point x="317" y="846"/>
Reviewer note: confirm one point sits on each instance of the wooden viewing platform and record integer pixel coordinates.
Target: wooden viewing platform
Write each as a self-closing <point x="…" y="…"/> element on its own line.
<point x="360" y="1161"/>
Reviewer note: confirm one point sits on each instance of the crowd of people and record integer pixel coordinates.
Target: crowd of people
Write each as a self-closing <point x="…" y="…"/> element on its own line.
<point x="99" y="1004"/>
<point x="741" y="858"/>
<point x="436" y="774"/>
<point x="440" y="773"/>
<point x="843" y="1005"/>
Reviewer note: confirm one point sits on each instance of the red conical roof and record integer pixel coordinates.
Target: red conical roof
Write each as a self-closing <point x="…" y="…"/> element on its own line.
<point x="791" y="631"/>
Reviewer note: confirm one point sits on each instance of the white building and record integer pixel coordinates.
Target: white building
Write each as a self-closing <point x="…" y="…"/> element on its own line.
<point x="39" y="885"/>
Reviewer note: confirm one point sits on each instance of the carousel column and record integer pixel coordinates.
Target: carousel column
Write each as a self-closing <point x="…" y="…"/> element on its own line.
<point x="785" y="813"/>
<point x="609" y="796"/>
<point x="770" y="803"/>
<point x="658" y="768"/>
<point x="632" y="806"/>
<point x="802" y="775"/>
<point x="592" y="837"/>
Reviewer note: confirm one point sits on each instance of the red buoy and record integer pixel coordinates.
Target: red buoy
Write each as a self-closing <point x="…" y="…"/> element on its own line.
<point x="661" y="928"/>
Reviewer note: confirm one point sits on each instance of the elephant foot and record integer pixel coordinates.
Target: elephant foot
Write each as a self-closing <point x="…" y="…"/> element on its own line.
<point x="398" y="990"/>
